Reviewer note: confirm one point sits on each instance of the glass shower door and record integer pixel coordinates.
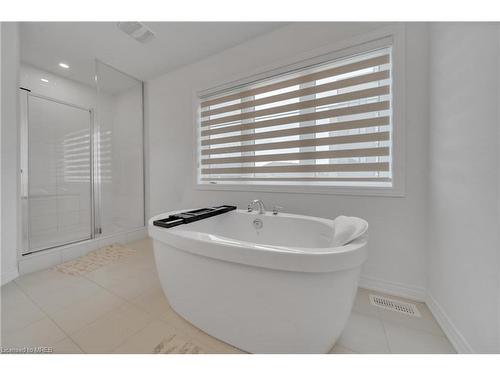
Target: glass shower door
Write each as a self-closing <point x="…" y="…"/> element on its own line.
<point x="58" y="191"/>
<point x="119" y="152"/>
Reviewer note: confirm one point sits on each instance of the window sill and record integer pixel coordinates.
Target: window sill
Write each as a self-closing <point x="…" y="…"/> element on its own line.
<point x="301" y="189"/>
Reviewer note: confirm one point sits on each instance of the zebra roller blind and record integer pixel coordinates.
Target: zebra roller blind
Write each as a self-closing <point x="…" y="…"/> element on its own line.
<point x="327" y="124"/>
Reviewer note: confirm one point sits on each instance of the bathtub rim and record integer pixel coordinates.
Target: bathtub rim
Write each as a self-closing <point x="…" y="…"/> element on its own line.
<point x="296" y="259"/>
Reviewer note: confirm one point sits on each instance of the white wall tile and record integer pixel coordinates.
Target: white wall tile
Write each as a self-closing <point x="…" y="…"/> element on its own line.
<point x="74" y="251"/>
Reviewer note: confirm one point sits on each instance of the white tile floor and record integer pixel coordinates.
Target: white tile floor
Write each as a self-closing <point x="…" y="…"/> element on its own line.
<point x="120" y="308"/>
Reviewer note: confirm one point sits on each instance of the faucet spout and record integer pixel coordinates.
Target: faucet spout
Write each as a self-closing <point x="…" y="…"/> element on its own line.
<point x="259" y="203"/>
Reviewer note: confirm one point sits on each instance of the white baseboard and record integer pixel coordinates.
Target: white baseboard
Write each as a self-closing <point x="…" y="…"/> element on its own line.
<point x="8" y="276"/>
<point x="389" y="287"/>
<point x="456" y="338"/>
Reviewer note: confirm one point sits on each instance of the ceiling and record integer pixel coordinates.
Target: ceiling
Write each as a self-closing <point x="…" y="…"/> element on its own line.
<point x="46" y="44"/>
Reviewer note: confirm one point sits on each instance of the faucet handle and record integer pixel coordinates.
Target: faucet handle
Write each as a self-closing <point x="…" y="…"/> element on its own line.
<point x="276" y="209"/>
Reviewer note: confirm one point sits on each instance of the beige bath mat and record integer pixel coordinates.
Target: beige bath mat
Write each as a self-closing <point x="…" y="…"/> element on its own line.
<point x="176" y="345"/>
<point x="95" y="259"/>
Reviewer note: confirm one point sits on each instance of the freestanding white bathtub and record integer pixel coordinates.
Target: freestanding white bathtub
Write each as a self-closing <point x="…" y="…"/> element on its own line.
<point x="283" y="288"/>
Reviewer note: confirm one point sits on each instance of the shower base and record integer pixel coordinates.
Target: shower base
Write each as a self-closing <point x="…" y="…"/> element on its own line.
<point x="57" y="255"/>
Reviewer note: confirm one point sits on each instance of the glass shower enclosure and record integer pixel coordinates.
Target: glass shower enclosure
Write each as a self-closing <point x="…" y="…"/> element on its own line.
<point x="82" y="165"/>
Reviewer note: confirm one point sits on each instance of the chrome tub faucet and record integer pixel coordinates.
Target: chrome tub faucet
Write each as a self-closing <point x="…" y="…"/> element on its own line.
<point x="259" y="203"/>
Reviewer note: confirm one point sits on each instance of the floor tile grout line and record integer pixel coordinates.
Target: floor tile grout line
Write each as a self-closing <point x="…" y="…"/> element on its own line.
<point x="417" y="330"/>
<point x="8" y="333"/>
<point x="125" y="299"/>
<point x="421" y="330"/>
<point x="139" y="331"/>
<point x="371" y="317"/>
<point x="379" y="316"/>
<point x="390" y="321"/>
<point x="182" y="330"/>
<point x="33" y="322"/>
<point x="132" y="301"/>
<point x="74" y="342"/>
<point x="90" y="323"/>
<point x="209" y="345"/>
<point x="96" y="319"/>
<point x="185" y="335"/>
<point x="69" y="335"/>
<point x="366" y="314"/>
<point x="106" y="289"/>
<point x="50" y="318"/>
<point x="386" y="337"/>
<point x="132" y="334"/>
<point x="402" y="325"/>
<point x="343" y="346"/>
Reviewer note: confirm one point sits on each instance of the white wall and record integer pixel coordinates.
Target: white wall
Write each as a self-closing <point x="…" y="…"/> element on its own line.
<point x="464" y="182"/>
<point x="9" y="156"/>
<point x="397" y="225"/>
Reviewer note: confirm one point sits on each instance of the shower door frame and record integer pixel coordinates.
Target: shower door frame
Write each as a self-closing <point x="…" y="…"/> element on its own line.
<point x="24" y="172"/>
<point x="95" y="181"/>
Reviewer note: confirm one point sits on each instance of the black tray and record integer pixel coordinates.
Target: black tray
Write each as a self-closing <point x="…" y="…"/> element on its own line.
<point x="190" y="216"/>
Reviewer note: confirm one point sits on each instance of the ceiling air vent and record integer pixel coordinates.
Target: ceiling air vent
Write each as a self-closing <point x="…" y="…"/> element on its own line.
<point x="136" y="30"/>
<point x="395" y="305"/>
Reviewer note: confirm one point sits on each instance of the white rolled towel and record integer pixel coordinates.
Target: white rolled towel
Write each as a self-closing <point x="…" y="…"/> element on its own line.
<point x="347" y="228"/>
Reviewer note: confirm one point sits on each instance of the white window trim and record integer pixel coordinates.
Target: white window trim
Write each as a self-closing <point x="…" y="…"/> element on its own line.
<point x="394" y="36"/>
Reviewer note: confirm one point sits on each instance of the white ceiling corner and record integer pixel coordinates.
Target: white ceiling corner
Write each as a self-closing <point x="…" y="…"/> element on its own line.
<point x="45" y="44"/>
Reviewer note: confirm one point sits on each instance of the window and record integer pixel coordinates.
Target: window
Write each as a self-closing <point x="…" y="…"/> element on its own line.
<point x="329" y="124"/>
